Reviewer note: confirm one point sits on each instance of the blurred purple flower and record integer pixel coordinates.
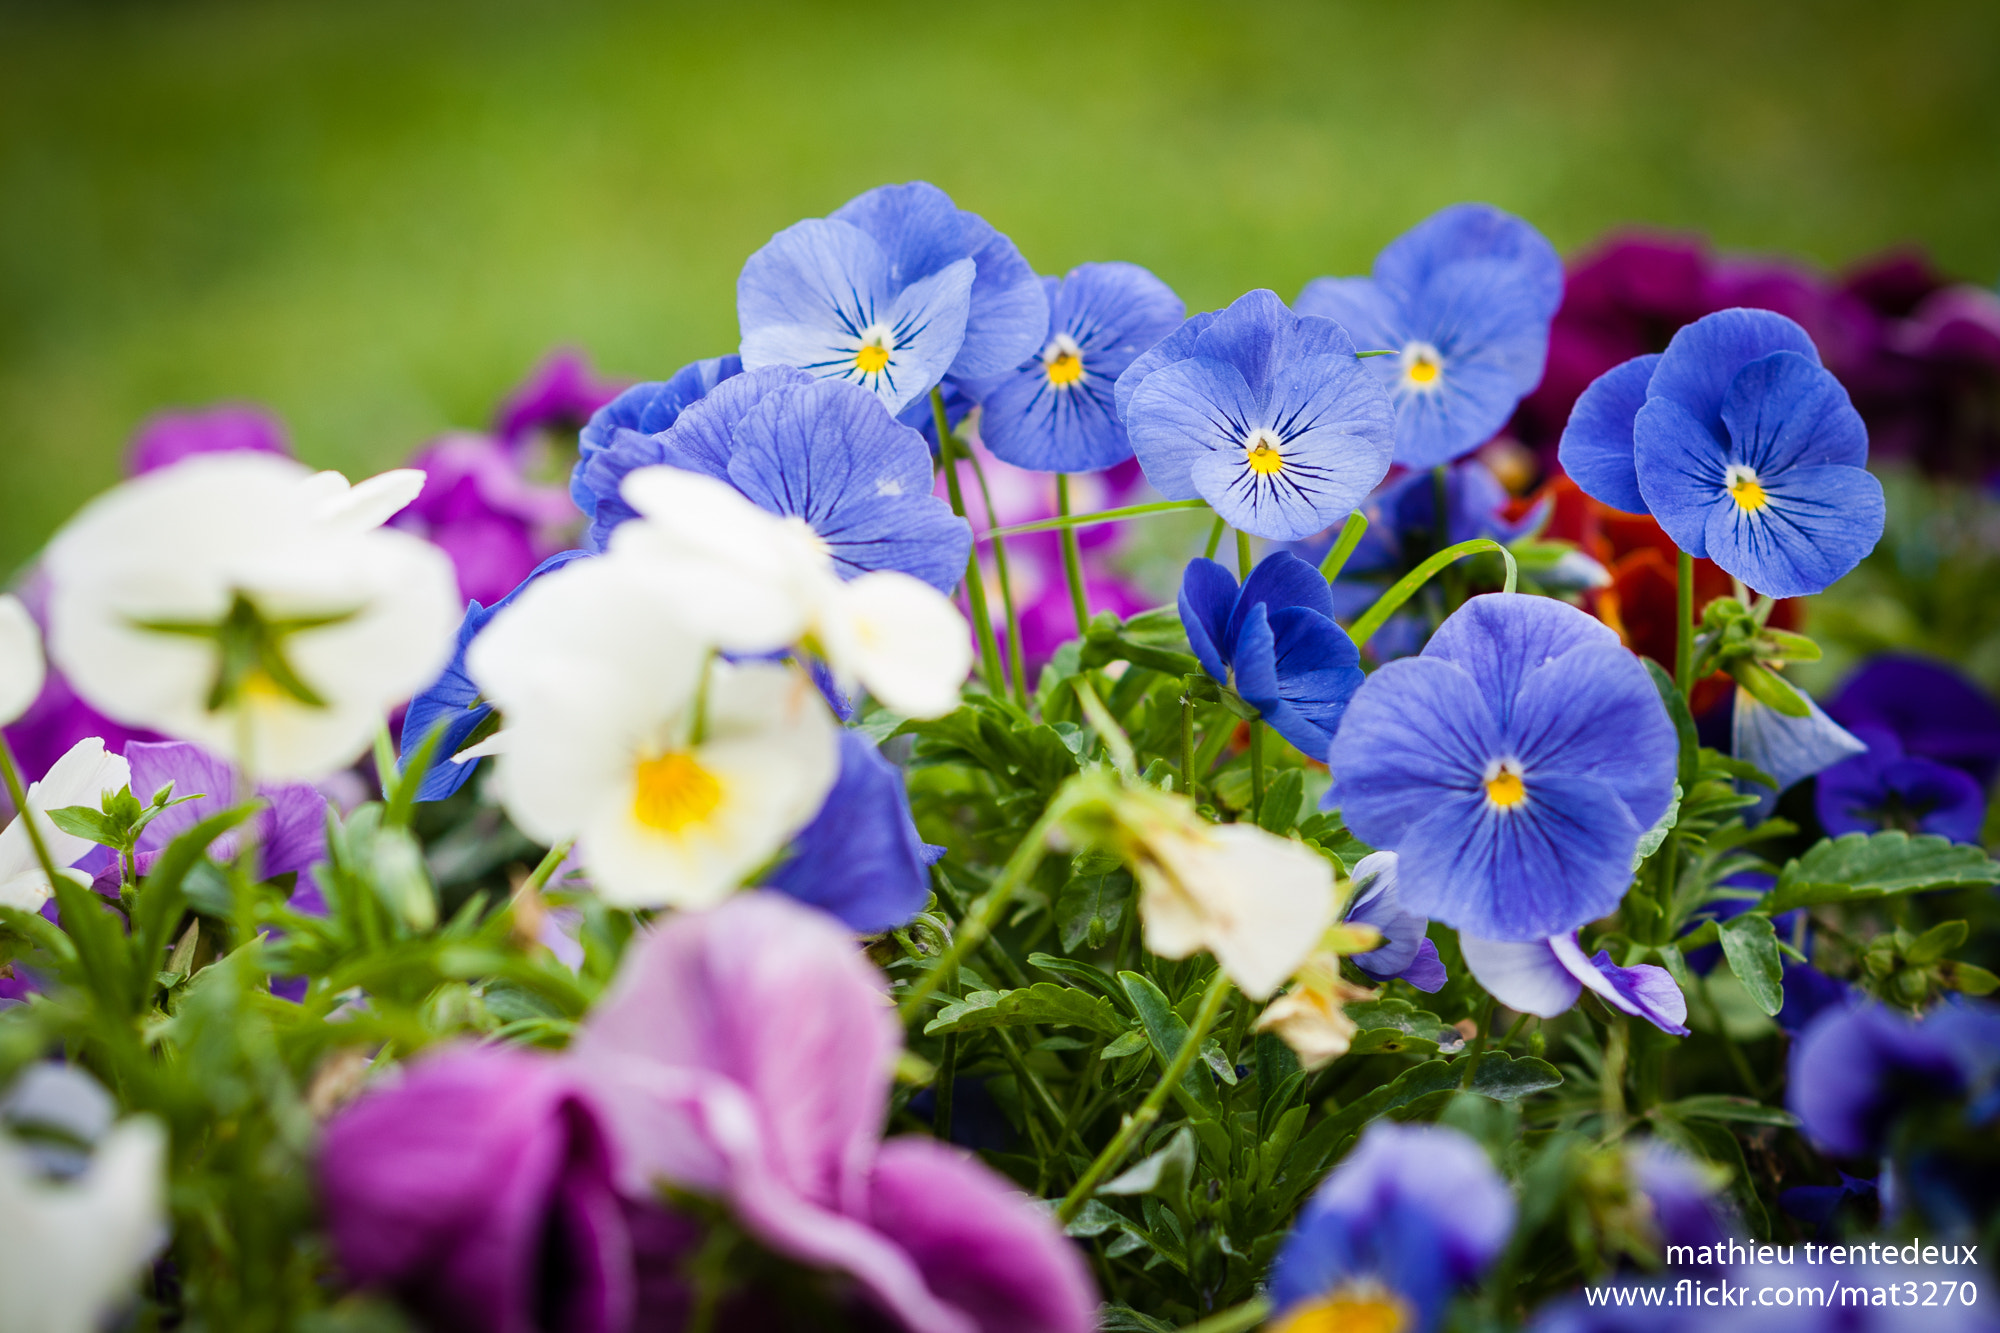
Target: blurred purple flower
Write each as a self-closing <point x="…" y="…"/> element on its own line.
<point x="479" y="508"/>
<point x="1856" y="1071"/>
<point x="744" y="1053"/>
<point x="1687" y="1208"/>
<point x="169" y="437"/>
<point x="289" y="833"/>
<point x="1887" y="789"/>
<point x="559" y="395"/>
<point x="1932" y="710"/>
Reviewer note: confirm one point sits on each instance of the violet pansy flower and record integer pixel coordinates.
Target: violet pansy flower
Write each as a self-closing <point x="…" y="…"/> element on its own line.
<point x="1931" y="708"/>
<point x="289" y="833"/>
<point x="1856" y="1071"/>
<point x="1464" y="300"/>
<point x="744" y="1053"/>
<point x="1885" y="789"/>
<point x="1266" y="414"/>
<point x="562" y="393"/>
<point x="1546" y="977"/>
<point x="166" y="439"/>
<point x="1406" y="950"/>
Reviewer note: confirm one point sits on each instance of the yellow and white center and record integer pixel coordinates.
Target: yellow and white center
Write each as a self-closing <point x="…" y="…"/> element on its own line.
<point x="1264" y="452"/>
<point x="1744" y="488"/>
<point x="673" y="791"/>
<point x="1062" y="361"/>
<point x="1361" y="1307"/>
<point x="1423" y="367"/>
<point x="1504" y="787"/>
<point x="878" y="344"/>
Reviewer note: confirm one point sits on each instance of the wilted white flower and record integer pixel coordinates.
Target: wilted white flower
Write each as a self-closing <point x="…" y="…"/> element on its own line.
<point x="80" y="777"/>
<point x="678" y="774"/>
<point x="71" y="1249"/>
<point x="247" y="604"/>
<point x="1310" y="1018"/>
<point x="21" y="666"/>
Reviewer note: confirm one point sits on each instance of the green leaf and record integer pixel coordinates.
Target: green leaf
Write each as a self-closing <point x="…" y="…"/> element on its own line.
<point x="1650" y="840"/>
<point x="1166" y="1030"/>
<point x="1862" y="865"/>
<point x="1750" y="943"/>
<point x="1716" y="1106"/>
<point x="1131" y="1043"/>
<point x="1397" y="1026"/>
<point x="1165" y="1174"/>
<point x="1084" y="972"/>
<point x="1677" y="711"/>
<point x="1936" y="942"/>
<point x="1966" y="977"/>
<point x="1092" y="903"/>
<point x="1281" y="802"/>
<point x="1043" y="1002"/>
<point x="80" y="821"/>
<point x="1769" y="688"/>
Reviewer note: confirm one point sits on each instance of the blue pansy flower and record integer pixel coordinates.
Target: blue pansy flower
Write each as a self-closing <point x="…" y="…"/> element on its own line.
<point x="1274" y="641"/>
<point x="1856" y="1071"/>
<point x="861" y="858"/>
<point x="1932" y="709"/>
<point x="1056" y="411"/>
<point x="1790" y="749"/>
<point x="1546" y="977"/>
<point x="895" y="290"/>
<point x="455" y="703"/>
<point x="1464" y="301"/>
<point x="1406" y="950"/>
<point x="624" y="434"/>
<point x="1267" y="415"/>
<point x="1742" y="445"/>
<point x="1885" y="789"/>
<point x="1411" y="1215"/>
<point x="828" y="454"/>
<point x="1512" y="765"/>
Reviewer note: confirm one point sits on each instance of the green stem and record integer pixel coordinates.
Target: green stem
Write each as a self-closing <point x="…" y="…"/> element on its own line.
<point x="1391" y="601"/>
<point x="1242" y="555"/>
<point x="1351" y="533"/>
<point x="1256" y="770"/>
<point x="1074" y="521"/>
<point x="1236" y="1319"/>
<point x="1072" y="557"/>
<point x="1187" y="745"/>
<point x="538" y="878"/>
<point x="1016" y="666"/>
<point x="1114" y="737"/>
<point x="1471" y="1074"/>
<point x="1611" y="1090"/>
<point x="975" y="577"/>
<point x="1214" y="539"/>
<point x="1684" y="643"/>
<point x="1149" y="1110"/>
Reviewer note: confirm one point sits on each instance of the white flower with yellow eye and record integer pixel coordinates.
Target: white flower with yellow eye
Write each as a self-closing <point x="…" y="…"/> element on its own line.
<point x="252" y="606"/>
<point x="676" y="773"/>
<point x="21" y="668"/>
<point x="80" y="777"/>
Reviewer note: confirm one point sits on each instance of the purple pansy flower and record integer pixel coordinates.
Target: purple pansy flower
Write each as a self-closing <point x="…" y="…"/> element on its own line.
<point x="744" y="1053"/>
<point x="1857" y="1070"/>
<point x="1406" y="951"/>
<point x="1546" y="977"/>
<point x="1885" y="789"/>
<point x="1687" y="1208"/>
<point x="861" y="858"/>
<point x="478" y="508"/>
<point x="227" y="428"/>
<point x="289" y="833"/>
<point x="561" y="393"/>
<point x="1933" y="711"/>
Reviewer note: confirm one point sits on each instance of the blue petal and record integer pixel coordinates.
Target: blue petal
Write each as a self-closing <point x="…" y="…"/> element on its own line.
<point x="652" y="407"/>
<point x="1817" y="524"/>
<point x="1596" y="446"/>
<point x="1701" y="362"/>
<point x="1643" y="991"/>
<point x="1009" y="313"/>
<point x="1319" y="669"/>
<point x="1029" y="422"/>
<point x="1594" y="712"/>
<point x="917" y="226"/>
<point x="1427" y="971"/>
<point x="1418" y="733"/>
<point x="1377" y="903"/>
<point x="1526" y="976"/>
<point x="1500" y="637"/>
<point x="1280" y="580"/>
<point x="861" y="857"/>
<point x="1548" y="865"/>
<point x="1207" y="597"/>
<point x="1176" y="346"/>
<point x="1370" y="316"/>
<point x="828" y="453"/>
<point x="1784" y="412"/>
<point x="1790" y="749"/>
<point x="1181" y="414"/>
<point x="1115" y="311"/>
<point x="704" y="438"/>
<point x="1472" y="232"/>
<point x="1682" y="468"/>
<point x="1260" y="336"/>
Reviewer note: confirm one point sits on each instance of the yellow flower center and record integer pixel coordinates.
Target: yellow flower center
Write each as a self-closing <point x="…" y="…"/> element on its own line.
<point x="1504" y="787"/>
<point x="672" y="791"/>
<point x="1745" y="489"/>
<point x="869" y="358"/>
<point x="1423" y="370"/>
<point x="1261" y="452"/>
<point x="1365" y="1308"/>
<point x="1065" y="368"/>
<point x="1423" y="366"/>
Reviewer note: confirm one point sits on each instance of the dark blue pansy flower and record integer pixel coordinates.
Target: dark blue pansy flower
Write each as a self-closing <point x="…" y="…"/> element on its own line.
<point x="455" y="703"/>
<point x="1742" y="445"/>
<point x="920" y="417"/>
<point x="895" y="290"/>
<point x="1411" y="1215"/>
<point x="1274" y="641"/>
<point x="1512" y="766"/>
<point x="1546" y="977"/>
<point x="1932" y="709"/>
<point x="1406" y="951"/>
<point x="828" y="454"/>
<point x="860" y="858"/>
<point x="1856" y="1071"/>
<point x="1790" y="749"/>
<point x="624" y="434"/>
<point x="1885" y="789"/>
<point x="1056" y="412"/>
<point x="1464" y="299"/>
<point x="1265" y="414"/>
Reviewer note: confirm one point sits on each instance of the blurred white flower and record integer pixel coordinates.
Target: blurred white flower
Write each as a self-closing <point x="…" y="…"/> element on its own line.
<point x="247" y="604"/>
<point x="21" y="666"/>
<point x="677" y="774"/>
<point x="897" y="636"/>
<point x="1310" y="1018"/>
<point x="80" y="777"/>
<point x="70" y="1249"/>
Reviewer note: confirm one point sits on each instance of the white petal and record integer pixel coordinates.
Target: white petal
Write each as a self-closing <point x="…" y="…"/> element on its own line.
<point x="1263" y="901"/>
<point x="371" y="503"/>
<point x="70" y="1252"/>
<point x="901" y="638"/>
<point x="1528" y="978"/>
<point x="21" y="667"/>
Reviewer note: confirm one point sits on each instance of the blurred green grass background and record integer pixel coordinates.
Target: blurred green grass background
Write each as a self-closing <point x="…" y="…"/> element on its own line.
<point x="374" y="215"/>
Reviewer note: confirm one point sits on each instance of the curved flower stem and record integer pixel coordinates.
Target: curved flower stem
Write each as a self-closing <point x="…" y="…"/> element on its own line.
<point x="1149" y="1110"/>
<point x="1391" y="601"/>
<point x="545" y="869"/>
<point x="985" y="913"/>
<point x="1072" y="556"/>
<point x="1016" y="664"/>
<point x="1115" y="740"/>
<point x="1214" y="539"/>
<point x="1351" y="533"/>
<point x="1242" y="555"/>
<point x="1236" y="1319"/>
<point x="975" y="576"/>
<point x="1092" y="520"/>
<point x="1684" y="643"/>
<point x="1187" y="745"/>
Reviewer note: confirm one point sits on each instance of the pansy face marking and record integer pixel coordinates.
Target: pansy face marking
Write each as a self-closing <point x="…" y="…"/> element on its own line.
<point x="1264" y="452"/>
<point x="1062" y="361"/>
<point x="1741" y="482"/>
<point x="1356" y="1307"/>
<point x="1423" y="367"/>
<point x="1504" y="786"/>
<point x="672" y="791"/>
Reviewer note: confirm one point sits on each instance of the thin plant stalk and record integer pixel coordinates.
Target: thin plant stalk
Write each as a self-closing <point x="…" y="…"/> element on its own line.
<point x="1101" y="516"/>
<point x="1351" y="533"/>
<point x="1391" y="601"/>
<point x="1214" y="539"/>
<point x="1242" y="555"/>
<point x="1072" y="557"/>
<point x="1684" y="643"/>
<point x="975" y="575"/>
<point x="1016" y="665"/>
<point x="1256" y="771"/>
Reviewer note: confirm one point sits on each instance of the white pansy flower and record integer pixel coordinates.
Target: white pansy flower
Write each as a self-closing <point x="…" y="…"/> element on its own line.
<point x="80" y="777"/>
<point x="899" y="637"/>
<point x="71" y="1250"/>
<point x="21" y="666"/>
<point x="252" y="606"/>
<point x="677" y="774"/>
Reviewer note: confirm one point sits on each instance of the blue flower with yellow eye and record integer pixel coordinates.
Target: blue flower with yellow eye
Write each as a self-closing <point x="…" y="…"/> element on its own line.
<point x="1463" y="301"/>
<point x="897" y="289"/>
<point x="1742" y="445"/>
<point x="1267" y="415"/>
<point x="1055" y="412"/>
<point x="624" y="434"/>
<point x="1409" y="1217"/>
<point x="861" y="858"/>
<point x="1512" y="766"/>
